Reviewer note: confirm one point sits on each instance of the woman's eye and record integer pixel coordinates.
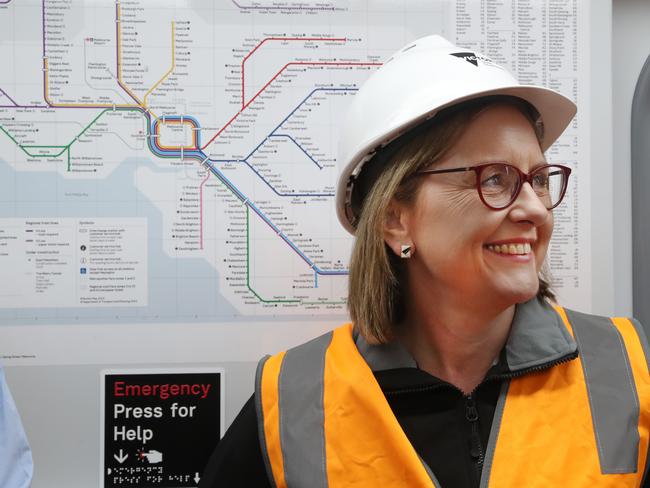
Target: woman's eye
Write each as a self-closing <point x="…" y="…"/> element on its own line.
<point x="494" y="180"/>
<point x="540" y="180"/>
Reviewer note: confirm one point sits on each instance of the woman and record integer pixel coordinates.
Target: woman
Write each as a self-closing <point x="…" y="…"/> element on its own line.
<point x="458" y="371"/>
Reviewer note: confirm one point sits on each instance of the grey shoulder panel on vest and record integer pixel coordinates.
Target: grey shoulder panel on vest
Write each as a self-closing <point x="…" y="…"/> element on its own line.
<point x="260" y="419"/>
<point x="537" y="336"/>
<point x="384" y="356"/>
<point x="612" y="393"/>
<point x="302" y="414"/>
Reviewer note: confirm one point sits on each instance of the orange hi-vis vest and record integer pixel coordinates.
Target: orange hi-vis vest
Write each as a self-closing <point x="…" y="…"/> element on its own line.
<point x="562" y="419"/>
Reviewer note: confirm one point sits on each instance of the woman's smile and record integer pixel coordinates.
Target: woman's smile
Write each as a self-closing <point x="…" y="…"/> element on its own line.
<point x="517" y="250"/>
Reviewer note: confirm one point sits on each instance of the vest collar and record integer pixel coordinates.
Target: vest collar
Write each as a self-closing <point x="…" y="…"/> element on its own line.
<point x="537" y="338"/>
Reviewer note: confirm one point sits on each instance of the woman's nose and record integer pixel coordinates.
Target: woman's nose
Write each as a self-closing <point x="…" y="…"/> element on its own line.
<point x="529" y="207"/>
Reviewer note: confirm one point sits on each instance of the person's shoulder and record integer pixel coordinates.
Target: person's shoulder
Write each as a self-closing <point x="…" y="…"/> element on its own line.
<point x="621" y="323"/>
<point x="320" y="342"/>
<point x="610" y="339"/>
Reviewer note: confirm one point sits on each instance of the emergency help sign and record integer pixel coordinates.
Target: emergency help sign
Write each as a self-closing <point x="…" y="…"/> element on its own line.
<point x="159" y="427"/>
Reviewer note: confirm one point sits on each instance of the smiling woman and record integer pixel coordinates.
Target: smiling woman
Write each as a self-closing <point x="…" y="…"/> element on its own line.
<point x="464" y="135"/>
<point x="459" y="370"/>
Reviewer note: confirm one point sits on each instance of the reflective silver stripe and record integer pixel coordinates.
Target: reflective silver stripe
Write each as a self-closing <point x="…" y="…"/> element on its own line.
<point x="432" y="476"/>
<point x="260" y="420"/>
<point x="640" y="331"/>
<point x="302" y="416"/>
<point x="494" y="435"/>
<point x="612" y="393"/>
<point x="643" y="339"/>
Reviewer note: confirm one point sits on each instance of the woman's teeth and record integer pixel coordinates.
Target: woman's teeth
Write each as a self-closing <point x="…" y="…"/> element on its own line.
<point x="510" y="248"/>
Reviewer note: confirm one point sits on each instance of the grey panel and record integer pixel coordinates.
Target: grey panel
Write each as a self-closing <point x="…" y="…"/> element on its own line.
<point x="640" y="146"/>
<point x="646" y="351"/>
<point x="384" y="356"/>
<point x="643" y="338"/>
<point x="494" y="435"/>
<point x="612" y="394"/>
<point x="537" y="336"/>
<point x="302" y="416"/>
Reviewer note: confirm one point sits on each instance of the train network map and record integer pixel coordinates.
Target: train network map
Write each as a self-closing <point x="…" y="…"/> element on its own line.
<point x="167" y="180"/>
<point x="176" y="160"/>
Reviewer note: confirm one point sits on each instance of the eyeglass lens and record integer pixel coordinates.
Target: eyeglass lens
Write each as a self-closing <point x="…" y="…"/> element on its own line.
<point x="500" y="183"/>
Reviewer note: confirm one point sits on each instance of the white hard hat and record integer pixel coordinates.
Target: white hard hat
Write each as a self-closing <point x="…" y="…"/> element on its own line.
<point x="412" y="86"/>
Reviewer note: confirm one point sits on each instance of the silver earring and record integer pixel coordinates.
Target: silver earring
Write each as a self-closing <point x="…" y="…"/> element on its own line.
<point x="407" y="251"/>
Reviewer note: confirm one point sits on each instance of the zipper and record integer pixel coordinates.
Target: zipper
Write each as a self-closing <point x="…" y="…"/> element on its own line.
<point x="471" y="412"/>
<point x="504" y="376"/>
<point x="534" y="369"/>
<point x="475" y="447"/>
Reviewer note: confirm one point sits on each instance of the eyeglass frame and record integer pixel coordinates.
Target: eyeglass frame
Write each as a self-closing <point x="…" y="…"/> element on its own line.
<point x="523" y="178"/>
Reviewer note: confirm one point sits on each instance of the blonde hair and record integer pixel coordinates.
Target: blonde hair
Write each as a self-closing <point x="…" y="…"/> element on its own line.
<point x="375" y="298"/>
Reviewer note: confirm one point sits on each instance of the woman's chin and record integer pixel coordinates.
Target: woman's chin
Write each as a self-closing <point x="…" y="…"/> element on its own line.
<point x="519" y="291"/>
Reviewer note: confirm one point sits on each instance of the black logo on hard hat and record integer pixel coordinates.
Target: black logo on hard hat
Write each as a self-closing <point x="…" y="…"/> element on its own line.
<point x="469" y="57"/>
<point x="474" y="58"/>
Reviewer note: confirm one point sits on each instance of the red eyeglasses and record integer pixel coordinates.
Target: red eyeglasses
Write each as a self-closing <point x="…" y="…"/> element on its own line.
<point x="498" y="184"/>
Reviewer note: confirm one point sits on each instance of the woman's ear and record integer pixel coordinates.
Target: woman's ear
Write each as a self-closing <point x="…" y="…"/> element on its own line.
<point x="396" y="229"/>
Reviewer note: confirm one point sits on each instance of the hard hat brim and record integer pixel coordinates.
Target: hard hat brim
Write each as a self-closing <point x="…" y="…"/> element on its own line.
<point x="556" y="112"/>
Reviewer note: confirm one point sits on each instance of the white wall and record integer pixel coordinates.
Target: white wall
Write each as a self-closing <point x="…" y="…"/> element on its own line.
<point x="630" y="49"/>
<point x="599" y="115"/>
